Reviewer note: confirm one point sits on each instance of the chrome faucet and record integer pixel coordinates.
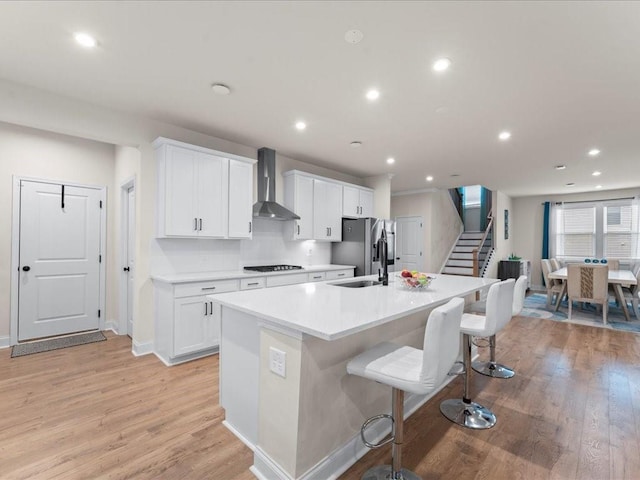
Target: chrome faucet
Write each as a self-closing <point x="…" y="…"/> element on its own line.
<point x="383" y="253"/>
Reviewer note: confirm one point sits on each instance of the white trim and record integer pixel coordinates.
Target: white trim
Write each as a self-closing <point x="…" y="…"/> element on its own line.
<point x="161" y="141"/>
<point x="5" y="342"/>
<point x="112" y="325"/>
<point x="332" y="180"/>
<point x="170" y="362"/>
<point x="264" y="468"/>
<point x="15" y="249"/>
<point x="413" y="192"/>
<point x="240" y="437"/>
<point x="139" y="349"/>
<point x="123" y="276"/>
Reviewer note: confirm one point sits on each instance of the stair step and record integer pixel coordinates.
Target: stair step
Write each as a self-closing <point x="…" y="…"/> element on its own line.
<point x="461" y="256"/>
<point x="466" y="249"/>
<point x="459" y="263"/>
<point x="473" y="243"/>
<point x="472" y="235"/>
<point x="458" y="271"/>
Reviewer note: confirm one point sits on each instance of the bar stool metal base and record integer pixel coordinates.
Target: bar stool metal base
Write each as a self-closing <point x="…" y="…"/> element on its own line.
<point x="470" y="415"/>
<point x="492" y="369"/>
<point x="384" y="472"/>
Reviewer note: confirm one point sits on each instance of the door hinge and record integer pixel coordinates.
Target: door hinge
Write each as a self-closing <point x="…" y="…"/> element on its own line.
<point x="98" y="313"/>
<point x="100" y="203"/>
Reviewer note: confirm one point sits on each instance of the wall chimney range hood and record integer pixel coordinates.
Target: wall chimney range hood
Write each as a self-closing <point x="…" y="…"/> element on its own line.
<point x="266" y="206"/>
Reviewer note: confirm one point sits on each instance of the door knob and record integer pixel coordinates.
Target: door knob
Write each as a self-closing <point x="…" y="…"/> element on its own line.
<point x="397" y="258"/>
<point x="126" y="269"/>
<point x="26" y="268"/>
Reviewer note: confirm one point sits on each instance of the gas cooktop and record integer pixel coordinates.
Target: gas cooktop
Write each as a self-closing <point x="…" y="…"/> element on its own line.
<point x="273" y="268"/>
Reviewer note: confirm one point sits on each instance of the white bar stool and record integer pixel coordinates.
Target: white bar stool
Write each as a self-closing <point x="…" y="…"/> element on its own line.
<point x="463" y="411"/>
<point x="409" y="369"/>
<point x="491" y="368"/>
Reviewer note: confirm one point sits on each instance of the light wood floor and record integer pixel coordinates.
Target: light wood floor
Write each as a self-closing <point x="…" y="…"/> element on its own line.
<point x="95" y="411"/>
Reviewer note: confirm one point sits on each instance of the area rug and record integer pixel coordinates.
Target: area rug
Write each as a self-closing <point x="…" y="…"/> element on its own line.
<point x="56" y="343"/>
<point x="535" y="305"/>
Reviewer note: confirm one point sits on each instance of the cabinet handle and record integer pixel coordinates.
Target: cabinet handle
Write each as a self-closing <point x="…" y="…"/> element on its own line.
<point x="317" y="278"/>
<point x="208" y="288"/>
<point x="341" y="274"/>
<point x="249" y="227"/>
<point x="298" y="229"/>
<point x="211" y="305"/>
<point x="329" y="231"/>
<point x="195" y="224"/>
<point x="205" y="309"/>
<point x="252" y="284"/>
<point x="200" y="224"/>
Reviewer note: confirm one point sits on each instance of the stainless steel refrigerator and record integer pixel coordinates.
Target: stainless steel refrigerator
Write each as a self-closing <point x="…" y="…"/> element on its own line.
<point x="358" y="245"/>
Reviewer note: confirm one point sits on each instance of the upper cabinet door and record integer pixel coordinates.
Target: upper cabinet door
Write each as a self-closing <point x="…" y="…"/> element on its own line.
<point x="366" y="203"/>
<point x="212" y="188"/>
<point x="180" y="196"/>
<point x="334" y="211"/>
<point x="327" y="210"/>
<point x="350" y="202"/>
<point x="240" y="199"/>
<point x="304" y="208"/>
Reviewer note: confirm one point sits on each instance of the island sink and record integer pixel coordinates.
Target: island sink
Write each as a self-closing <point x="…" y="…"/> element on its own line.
<point x="357" y="284"/>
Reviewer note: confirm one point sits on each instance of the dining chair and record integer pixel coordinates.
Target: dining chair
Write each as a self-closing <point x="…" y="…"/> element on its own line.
<point x="588" y="283"/>
<point x="630" y="294"/>
<point x="613" y="264"/>
<point x="555" y="264"/>
<point x="554" y="287"/>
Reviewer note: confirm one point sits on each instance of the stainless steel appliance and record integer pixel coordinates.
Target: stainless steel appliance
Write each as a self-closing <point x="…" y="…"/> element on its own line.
<point x="266" y="206"/>
<point x="359" y="245"/>
<point x="273" y="268"/>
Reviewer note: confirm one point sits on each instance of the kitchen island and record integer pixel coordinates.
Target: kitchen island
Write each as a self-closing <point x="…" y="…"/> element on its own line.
<point x="283" y="356"/>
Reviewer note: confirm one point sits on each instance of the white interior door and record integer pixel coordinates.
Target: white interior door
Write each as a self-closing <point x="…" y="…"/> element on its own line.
<point x="59" y="286"/>
<point x="409" y="243"/>
<point x="130" y="255"/>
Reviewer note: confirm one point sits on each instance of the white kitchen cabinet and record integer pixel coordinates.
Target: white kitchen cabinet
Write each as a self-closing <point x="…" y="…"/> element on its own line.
<point x="187" y="323"/>
<point x="327" y="210"/>
<point x="240" y="199"/>
<point x="338" y="274"/>
<point x="317" y="276"/>
<point x="357" y="202"/>
<point x="298" y="197"/>
<point x="289" y="279"/>
<point x="202" y="193"/>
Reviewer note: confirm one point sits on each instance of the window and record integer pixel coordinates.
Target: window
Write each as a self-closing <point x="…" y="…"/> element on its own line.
<point x="607" y="229"/>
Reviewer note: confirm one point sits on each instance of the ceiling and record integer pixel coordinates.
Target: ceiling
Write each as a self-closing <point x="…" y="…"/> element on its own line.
<point x="562" y="77"/>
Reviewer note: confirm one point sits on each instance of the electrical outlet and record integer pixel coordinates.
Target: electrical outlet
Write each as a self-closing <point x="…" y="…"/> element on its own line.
<point x="278" y="362"/>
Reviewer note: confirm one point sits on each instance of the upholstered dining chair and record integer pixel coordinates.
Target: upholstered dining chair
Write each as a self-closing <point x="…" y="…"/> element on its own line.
<point x="553" y="287"/>
<point x="588" y="283"/>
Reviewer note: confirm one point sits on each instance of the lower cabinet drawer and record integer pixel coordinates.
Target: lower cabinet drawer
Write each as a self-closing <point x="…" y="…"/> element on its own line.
<point x="335" y="274"/>
<point x="279" y="280"/>
<point x="250" y="283"/>
<point x="205" y="288"/>
<point x="316" y="277"/>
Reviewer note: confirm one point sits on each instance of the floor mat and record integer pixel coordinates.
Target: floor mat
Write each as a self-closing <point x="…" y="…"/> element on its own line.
<point x="535" y="305"/>
<point x="56" y="343"/>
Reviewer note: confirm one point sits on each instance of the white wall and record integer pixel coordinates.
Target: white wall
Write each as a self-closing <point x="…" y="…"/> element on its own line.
<point x="527" y="225"/>
<point x="27" y="106"/>
<point x="33" y="153"/>
<point x="381" y="196"/>
<point x="503" y="247"/>
<point x="441" y="223"/>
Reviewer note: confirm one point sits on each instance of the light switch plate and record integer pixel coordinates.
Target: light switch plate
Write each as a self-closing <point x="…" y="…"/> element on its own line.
<point x="278" y="362"/>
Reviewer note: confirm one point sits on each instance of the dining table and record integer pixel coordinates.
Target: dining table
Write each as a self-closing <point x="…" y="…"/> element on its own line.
<point x="617" y="279"/>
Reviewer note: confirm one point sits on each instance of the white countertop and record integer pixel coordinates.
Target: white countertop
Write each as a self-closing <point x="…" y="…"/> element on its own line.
<point x="330" y="312"/>
<point x="230" y="274"/>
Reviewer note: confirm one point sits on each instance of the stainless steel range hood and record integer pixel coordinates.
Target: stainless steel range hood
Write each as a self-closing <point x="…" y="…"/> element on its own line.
<point x="266" y="206"/>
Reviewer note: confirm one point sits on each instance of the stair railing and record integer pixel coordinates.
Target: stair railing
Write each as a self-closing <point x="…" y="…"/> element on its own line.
<point x="475" y="252"/>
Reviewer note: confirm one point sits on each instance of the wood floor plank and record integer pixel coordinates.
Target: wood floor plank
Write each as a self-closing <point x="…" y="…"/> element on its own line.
<point x="572" y="412"/>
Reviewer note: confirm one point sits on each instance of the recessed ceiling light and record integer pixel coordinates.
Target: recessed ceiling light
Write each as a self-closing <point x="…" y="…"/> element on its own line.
<point x="594" y="152"/>
<point x="353" y="36"/>
<point x="441" y="64"/>
<point x="596" y="173"/>
<point x="301" y="125"/>
<point x="356" y="144"/>
<point x="220" y="89"/>
<point x="504" y="135"/>
<point x="429" y="178"/>
<point x="373" y="94"/>
<point x="85" y="39"/>
<point x="570" y="184"/>
<point x="391" y="160"/>
<point x="598" y="187"/>
<point x="560" y="167"/>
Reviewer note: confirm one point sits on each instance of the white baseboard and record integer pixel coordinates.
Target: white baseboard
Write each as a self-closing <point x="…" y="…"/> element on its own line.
<point x="5" y="342"/>
<point x="341" y="459"/>
<point x="139" y="349"/>
<point x="241" y="437"/>
<point x="113" y="326"/>
<point x="170" y="362"/>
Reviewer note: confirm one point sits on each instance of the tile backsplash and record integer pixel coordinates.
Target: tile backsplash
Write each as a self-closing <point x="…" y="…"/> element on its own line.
<point x="268" y="246"/>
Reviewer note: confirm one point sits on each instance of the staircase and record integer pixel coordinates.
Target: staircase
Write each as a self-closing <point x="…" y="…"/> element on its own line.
<point x="460" y="261"/>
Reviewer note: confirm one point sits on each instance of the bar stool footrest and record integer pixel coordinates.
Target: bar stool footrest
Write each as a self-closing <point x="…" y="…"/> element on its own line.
<point x="370" y="420"/>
